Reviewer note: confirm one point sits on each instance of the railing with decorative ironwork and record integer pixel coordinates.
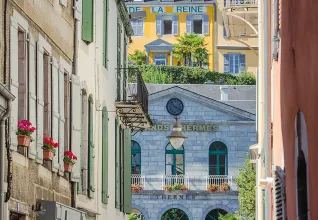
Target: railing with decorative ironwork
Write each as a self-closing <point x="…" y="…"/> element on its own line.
<point x="218" y="181"/>
<point x="136" y="92"/>
<point x="138" y="180"/>
<point x="172" y="180"/>
<point x="229" y="3"/>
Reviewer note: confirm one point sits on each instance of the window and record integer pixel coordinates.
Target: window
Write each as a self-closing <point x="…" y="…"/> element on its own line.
<point x="138" y="27"/>
<point x="105" y="33"/>
<point x="197" y="24"/>
<point x="174" y="161"/>
<point x="135" y="158"/>
<point x="234" y="63"/>
<point x="215" y="214"/>
<point x="174" y="214"/>
<point x="105" y="156"/>
<point x="218" y="159"/>
<point x="87" y="20"/>
<point x="91" y="155"/>
<point x="160" y="59"/>
<point x="167" y="25"/>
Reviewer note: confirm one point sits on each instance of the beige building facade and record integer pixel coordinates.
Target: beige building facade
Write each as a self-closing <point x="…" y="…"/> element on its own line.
<point x="66" y="76"/>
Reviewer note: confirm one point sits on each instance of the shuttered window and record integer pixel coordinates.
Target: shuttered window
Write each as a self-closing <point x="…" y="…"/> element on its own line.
<point x="117" y="165"/>
<point x="234" y="63"/>
<point x="105" y="52"/>
<point x="87" y="20"/>
<point x="91" y="156"/>
<point x="279" y="194"/>
<point x="105" y="156"/>
<point x="127" y="171"/>
<point x="138" y="27"/>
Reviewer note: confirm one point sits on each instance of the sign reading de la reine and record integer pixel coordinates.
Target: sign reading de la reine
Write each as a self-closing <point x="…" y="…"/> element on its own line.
<point x="176" y="9"/>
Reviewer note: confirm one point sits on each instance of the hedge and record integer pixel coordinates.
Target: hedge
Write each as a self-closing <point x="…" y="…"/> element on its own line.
<point x="189" y="75"/>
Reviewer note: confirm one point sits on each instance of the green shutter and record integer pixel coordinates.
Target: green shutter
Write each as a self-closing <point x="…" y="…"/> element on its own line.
<point x="117" y="167"/>
<point x="105" y="32"/>
<point x="105" y="157"/>
<point x="88" y="20"/>
<point x="91" y="155"/>
<point x="127" y="171"/>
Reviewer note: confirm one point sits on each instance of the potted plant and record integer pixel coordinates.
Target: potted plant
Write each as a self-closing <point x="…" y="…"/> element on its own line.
<point x="49" y="148"/>
<point x="24" y="132"/>
<point x="169" y="188"/>
<point x="213" y="188"/>
<point x="176" y="187"/>
<point x="136" y="188"/>
<point x="69" y="161"/>
<point x="224" y="187"/>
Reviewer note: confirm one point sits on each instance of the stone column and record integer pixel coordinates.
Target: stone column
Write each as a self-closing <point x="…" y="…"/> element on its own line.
<point x="171" y="59"/>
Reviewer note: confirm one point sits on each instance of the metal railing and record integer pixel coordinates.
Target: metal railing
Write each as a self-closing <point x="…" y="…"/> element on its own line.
<point x="218" y="180"/>
<point x="136" y="91"/>
<point x="138" y="180"/>
<point x="171" y="180"/>
<point x="229" y="3"/>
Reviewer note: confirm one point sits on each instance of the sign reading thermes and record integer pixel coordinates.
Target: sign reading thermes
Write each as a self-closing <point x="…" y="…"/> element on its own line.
<point x="190" y="127"/>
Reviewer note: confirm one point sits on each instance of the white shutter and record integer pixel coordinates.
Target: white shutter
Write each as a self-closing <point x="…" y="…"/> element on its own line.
<point x="78" y="9"/>
<point x="40" y="102"/>
<point x="62" y="120"/>
<point x="63" y="2"/>
<point x="32" y="94"/>
<point x="76" y="126"/>
<point x="14" y="81"/>
<point x="55" y="110"/>
<point x="279" y="194"/>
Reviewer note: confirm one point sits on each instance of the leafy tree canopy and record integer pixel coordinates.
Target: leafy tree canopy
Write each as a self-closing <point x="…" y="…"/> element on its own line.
<point x="138" y="57"/>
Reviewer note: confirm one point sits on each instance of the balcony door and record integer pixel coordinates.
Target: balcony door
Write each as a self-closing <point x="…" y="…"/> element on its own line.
<point x="218" y="159"/>
<point x="135" y="158"/>
<point x="174" y="160"/>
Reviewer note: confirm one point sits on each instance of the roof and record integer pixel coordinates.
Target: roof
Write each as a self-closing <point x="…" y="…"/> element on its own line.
<point x="160" y="45"/>
<point x="239" y="96"/>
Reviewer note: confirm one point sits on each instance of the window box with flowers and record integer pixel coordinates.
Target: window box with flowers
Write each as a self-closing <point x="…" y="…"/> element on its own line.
<point x="69" y="161"/>
<point x="24" y="132"/>
<point x="178" y="187"/>
<point x="135" y="188"/>
<point x="215" y="188"/>
<point x="49" y="148"/>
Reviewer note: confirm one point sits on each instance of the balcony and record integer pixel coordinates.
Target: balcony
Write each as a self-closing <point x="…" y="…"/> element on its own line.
<point x="132" y="100"/>
<point x="171" y="183"/>
<point x="240" y="19"/>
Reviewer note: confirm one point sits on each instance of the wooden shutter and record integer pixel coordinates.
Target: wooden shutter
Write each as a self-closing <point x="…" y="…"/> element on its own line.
<point x="76" y="126"/>
<point x="55" y="111"/>
<point x="242" y="63"/>
<point x="159" y="25"/>
<point x="127" y="171"/>
<point x="91" y="155"/>
<point x="87" y="20"/>
<point x="32" y="94"/>
<point x="105" y="156"/>
<point x="189" y="24"/>
<point x="61" y="119"/>
<point x="105" y="33"/>
<point x="40" y="102"/>
<point x="205" y="24"/>
<point x="117" y="165"/>
<point x="139" y="27"/>
<point x="279" y="194"/>
<point x="226" y="63"/>
<point x="175" y="24"/>
<point x="14" y="81"/>
<point x="78" y="10"/>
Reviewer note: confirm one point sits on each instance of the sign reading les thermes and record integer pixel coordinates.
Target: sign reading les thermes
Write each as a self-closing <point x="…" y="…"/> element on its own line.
<point x="195" y="127"/>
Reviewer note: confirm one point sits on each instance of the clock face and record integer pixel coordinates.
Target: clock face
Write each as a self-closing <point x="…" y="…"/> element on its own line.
<point x="175" y="106"/>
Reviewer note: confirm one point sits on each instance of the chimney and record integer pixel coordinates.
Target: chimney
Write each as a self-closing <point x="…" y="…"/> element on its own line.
<point x="224" y="93"/>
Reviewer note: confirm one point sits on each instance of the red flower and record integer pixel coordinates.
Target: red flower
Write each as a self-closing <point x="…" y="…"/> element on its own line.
<point x="56" y="145"/>
<point x="75" y="157"/>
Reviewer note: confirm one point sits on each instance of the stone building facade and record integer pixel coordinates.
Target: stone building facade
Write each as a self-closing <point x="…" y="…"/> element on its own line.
<point x="212" y="116"/>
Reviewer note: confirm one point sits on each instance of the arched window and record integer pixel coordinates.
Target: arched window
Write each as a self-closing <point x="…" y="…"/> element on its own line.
<point x="218" y="158"/>
<point x="135" y="158"/>
<point x="215" y="214"/>
<point x="174" y="214"/>
<point x="174" y="160"/>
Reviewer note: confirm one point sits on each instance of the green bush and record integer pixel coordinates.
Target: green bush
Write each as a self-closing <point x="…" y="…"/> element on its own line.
<point x="189" y="75"/>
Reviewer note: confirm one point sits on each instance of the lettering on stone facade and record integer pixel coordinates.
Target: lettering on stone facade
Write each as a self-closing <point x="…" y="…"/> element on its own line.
<point x="175" y="197"/>
<point x="199" y="128"/>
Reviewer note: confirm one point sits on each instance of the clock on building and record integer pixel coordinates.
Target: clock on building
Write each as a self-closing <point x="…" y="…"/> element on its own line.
<point x="174" y="106"/>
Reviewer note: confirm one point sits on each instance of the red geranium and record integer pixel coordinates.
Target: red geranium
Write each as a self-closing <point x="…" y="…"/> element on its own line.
<point x="48" y="144"/>
<point x="69" y="157"/>
<point x="25" y="128"/>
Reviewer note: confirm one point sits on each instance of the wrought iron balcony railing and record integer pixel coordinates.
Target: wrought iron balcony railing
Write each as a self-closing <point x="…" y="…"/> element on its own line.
<point x="229" y="3"/>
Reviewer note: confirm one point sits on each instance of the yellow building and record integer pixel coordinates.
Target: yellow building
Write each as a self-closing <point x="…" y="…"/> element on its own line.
<point x="165" y="21"/>
<point x="237" y="36"/>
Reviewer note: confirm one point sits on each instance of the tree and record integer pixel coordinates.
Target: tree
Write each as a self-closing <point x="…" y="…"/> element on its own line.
<point x="246" y="182"/>
<point x="191" y="48"/>
<point x="138" y="57"/>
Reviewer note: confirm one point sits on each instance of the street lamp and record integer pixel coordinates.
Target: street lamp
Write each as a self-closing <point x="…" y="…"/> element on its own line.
<point x="176" y="137"/>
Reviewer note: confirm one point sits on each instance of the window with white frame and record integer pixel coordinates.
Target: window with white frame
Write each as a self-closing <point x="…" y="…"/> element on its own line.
<point x="160" y="59"/>
<point x="197" y="24"/>
<point x="234" y="63"/>
<point x="138" y="27"/>
<point x="167" y="24"/>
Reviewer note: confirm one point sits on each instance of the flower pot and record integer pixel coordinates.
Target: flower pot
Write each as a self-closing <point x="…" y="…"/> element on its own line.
<point x="24" y="140"/>
<point x="68" y="167"/>
<point x="48" y="155"/>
